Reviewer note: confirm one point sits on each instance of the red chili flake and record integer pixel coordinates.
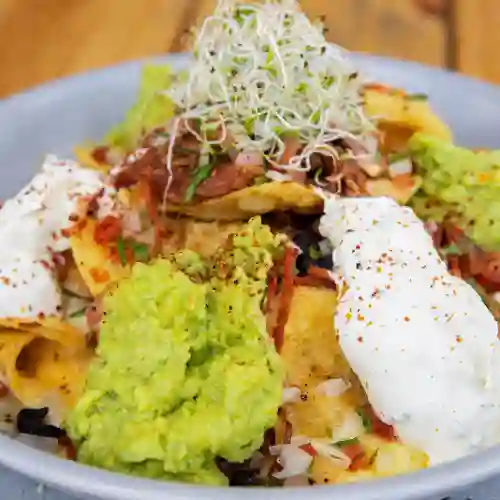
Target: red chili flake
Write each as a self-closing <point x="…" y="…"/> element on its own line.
<point x="360" y="339"/>
<point x="460" y="339"/>
<point x="41" y="316"/>
<point x="358" y="247"/>
<point x="380" y="428"/>
<point x="406" y="318"/>
<point x="309" y="449"/>
<point x="99" y="276"/>
<point x="45" y="264"/>
<point x="359" y="459"/>
<point x="108" y="230"/>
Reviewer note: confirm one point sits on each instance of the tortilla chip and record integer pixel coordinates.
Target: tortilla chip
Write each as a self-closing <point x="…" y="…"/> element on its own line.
<point x="40" y="369"/>
<point x="83" y="155"/>
<point x="51" y="328"/>
<point x="310" y="351"/>
<point x="93" y="261"/>
<point x="257" y="200"/>
<point x="400" y="116"/>
<point x="401" y="188"/>
<point x="202" y="237"/>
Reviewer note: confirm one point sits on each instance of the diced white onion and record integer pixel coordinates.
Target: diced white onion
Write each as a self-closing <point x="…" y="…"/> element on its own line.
<point x="294" y="461"/>
<point x="274" y="175"/>
<point x="401" y="167"/>
<point x="291" y="395"/>
<point x="332" y="387"/>
<point x="350" y="428"/>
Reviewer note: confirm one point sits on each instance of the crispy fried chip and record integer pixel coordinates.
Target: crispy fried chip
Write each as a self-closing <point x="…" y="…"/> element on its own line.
<point x="51" y="328"/>
<point x="93" y="261"/>
<point x="43" y="363"/>
<point x="312" y="355"/>
<point x="202" y="237"/>
<point x="256" y="200"/>
<point x="401" y="188"/>
<point x="310" y="350"/>
<point x="401" y="115"/>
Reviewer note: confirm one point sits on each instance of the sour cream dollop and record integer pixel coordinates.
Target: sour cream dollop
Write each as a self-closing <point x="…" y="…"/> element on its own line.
<point x="421" y="341"/>
<point x="32" y="228"/>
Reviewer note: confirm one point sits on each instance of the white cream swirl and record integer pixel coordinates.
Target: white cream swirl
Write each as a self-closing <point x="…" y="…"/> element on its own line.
<point x="421" y="341"/>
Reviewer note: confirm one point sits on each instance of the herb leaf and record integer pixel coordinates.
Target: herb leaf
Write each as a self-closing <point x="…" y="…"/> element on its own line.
<point x="367" y="421"/>
<point x="201" y="174"/>
<point x="141" y="252"/>
<point x="79" y="313"/>
<point x="451" y="249"/>
<point x="347" y="442"/>
<point x="122" y="254"/>
<point x="417" y="97"/>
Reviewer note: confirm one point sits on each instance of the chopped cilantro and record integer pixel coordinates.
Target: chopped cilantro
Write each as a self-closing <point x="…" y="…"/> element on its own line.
<point x="141" y="251"/>
<point x="347" y="442"/>
<point x="417" y="97"/>
<point x="79" y="313"/>
<point x="122" y="254"/>
<point x="367" y="421"/>
<point x="201" y="174"/>
<point x="451" y="249"/>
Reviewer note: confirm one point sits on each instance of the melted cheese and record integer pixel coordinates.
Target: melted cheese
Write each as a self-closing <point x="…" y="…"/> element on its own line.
<point x="421" y="341"/>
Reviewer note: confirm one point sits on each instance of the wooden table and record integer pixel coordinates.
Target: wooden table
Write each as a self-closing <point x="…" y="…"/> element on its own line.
<point x="45" y="39"/>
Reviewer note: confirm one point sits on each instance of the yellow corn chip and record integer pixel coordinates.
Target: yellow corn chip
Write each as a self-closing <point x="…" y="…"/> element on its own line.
<point x="93" y="261"/>
<point x="44" y="365"/>
<point x="256" y="200"/>
<point x="400" y="116"/>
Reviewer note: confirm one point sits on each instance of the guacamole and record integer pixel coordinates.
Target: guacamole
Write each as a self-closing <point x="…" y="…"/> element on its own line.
<point x="185" y="371"/>
<point x="461" y="185"/>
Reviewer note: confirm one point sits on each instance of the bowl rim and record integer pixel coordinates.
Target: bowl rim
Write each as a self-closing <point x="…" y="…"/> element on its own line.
<point x="80" y="479"/>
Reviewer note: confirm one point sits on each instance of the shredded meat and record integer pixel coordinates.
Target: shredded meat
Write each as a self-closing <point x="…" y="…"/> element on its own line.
<point x="350" y="179"/>
<point x="151" y="167"/>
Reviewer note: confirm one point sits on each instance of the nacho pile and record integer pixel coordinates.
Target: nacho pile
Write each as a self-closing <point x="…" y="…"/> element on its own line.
<point x="191" y="333"/>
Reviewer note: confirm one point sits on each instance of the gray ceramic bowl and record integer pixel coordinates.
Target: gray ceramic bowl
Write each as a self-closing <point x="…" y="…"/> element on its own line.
<point x="54" y="117"/>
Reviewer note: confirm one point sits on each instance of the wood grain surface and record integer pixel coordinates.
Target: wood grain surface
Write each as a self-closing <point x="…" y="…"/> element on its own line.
<point x="477" y="26"/>
<point x="45" y="39"/>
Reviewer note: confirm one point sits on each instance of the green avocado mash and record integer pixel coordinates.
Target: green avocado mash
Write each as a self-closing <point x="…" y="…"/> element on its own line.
<point x="185" y="371"/>
<point x="461" y="185"/>
<point x="152" y="108"/>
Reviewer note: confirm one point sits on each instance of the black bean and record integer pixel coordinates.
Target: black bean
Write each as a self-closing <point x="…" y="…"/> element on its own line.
<point x="32" y="421"/>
